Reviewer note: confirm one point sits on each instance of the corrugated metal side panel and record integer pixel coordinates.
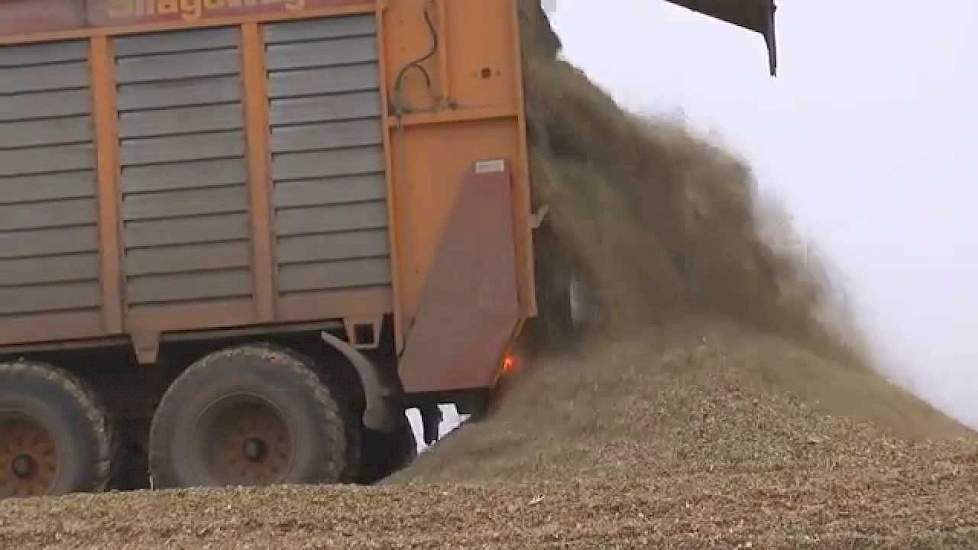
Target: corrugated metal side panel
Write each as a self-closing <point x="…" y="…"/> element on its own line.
<point x="328" y="165"/>
<point x="184" y="173"/>
<point x="49" y="260"/>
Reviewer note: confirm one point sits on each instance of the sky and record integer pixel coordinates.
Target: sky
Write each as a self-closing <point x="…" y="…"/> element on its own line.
<point x="865" y="137"/>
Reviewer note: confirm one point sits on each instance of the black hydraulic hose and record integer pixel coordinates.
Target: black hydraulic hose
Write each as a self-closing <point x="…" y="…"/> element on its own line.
<point x="417" y="63"/>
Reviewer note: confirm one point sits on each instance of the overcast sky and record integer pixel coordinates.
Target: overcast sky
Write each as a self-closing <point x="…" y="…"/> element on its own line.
<point x="866" y="137"/>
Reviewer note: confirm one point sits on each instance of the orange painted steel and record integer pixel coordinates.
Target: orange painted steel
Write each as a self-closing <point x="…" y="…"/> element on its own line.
<point x="393" y="234"/>
<point x="259" y="158"/>
<point x="433" y="146"/>
<point x="107" y="143"/>
<point x="433" y="135"/>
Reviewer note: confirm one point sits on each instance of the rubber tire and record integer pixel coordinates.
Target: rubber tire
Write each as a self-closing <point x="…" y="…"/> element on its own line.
<point x="387" y="453"/>
<point x="351" y="414"/>
<point x="73" y="415"/>
<point x="276" y="375"/>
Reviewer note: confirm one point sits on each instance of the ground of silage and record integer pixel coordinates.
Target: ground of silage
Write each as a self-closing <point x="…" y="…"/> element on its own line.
<point x="691" y="447"/>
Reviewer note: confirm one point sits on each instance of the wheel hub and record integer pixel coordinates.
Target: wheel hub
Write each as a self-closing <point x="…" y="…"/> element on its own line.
<point x="24" y="466"/>
<point x="255" y="450"/>
<point x="248" y="443"/>
<point x="28" y="458"/>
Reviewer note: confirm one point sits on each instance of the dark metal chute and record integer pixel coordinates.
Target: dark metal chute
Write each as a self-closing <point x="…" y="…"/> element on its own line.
<point x="755" y="15"/>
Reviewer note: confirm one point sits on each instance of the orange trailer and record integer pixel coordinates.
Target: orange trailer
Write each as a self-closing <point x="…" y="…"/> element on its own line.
<point x="330" y="192"/>
<point x="239" y="237"/>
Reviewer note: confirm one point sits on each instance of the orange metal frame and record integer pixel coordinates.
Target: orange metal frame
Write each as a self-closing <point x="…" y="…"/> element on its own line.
<point x="474" y="111"/>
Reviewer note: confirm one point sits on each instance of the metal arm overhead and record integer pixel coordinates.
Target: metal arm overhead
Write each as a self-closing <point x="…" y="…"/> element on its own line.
<point x="755" y="15"/>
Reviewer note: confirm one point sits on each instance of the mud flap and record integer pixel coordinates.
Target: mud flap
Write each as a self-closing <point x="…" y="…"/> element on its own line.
<point x="470" y="307"/>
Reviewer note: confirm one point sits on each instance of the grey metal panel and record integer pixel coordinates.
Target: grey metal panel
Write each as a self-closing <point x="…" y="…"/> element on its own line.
<point x="325" y="108"/>
<point x="316" y="29"/>
<point x="339" y="190"/>
<point x="333" y="246"/>
<point x="199" y="257"/>
<point x="45" y="105"/>
<point x="153" y="68"/>
<point x="62" y="158"/>
<point x="51" y="269"/>
<point x="49" y="252"/>
<point x="328" y="161"/>
<point x="326" y="219"/>
<point x="171" y="42"/>
<point x="187" y="120"/>
<point x="330" y="135"/>
<point x="185" y="203"/>
<point x="44" y="77"/>
<point x="188" y="175"/>
<point x="335" y="275"/>
<point x="54" y="131"/>
<point x="341" y="162"/>
<point x="182" y="148"/>
<point x="225" y="227"/>
<point x="179" y="93"/>
<point x="43" y="215"/>
<point x="322" y="54"/>
<point x="185" y="287"/>
<point x="50" y="52"/>
<point x="48" y="298"/>
<point x="329" y="80"/>
<point x="48" y="242"/>
<point x="184" y="179"/>
<point x="68" y="185"/>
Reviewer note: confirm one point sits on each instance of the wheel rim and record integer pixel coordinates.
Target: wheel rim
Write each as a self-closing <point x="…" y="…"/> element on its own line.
<point x="28" y="457"/>
<point x="246" y="441"/>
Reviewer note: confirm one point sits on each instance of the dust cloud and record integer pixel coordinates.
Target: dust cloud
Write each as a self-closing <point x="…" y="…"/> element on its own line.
<point x="694" y="307"/>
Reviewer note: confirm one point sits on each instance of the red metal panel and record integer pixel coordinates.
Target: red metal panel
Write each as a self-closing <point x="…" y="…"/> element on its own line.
<point x="470" y="308"/>
<point x="128" y="12"/>
<point x="23" y="16"/>
<point x="35" y="16"/>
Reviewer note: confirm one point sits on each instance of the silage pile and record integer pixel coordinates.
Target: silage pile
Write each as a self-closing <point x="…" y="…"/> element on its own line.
<point x="722" y="385"/>
<point x="713" y="350"/>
